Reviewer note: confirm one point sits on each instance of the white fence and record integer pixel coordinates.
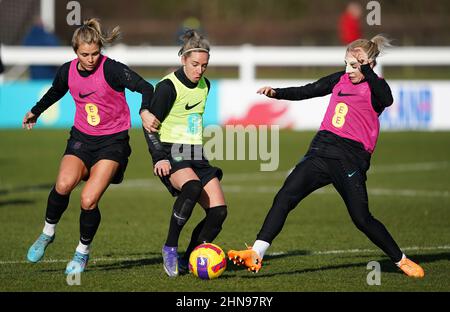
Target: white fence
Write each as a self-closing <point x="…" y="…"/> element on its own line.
<point x="245" y="57"/>
<point x="417" y="104"/>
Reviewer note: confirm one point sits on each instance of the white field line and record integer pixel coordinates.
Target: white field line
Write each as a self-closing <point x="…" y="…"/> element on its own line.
<point x="352" y="251"/>
<point x="312" y="253"/>
<point x="424" y="166"/>
<point x="154" y="185"/>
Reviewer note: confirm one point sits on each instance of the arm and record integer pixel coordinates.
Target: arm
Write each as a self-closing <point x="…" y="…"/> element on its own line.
<point x="160" y="107"/>
<point x="381" y="92"/>
<point x="59" y="88"/>
<point x="119" y="76"/>
<point x="321" y="87"/>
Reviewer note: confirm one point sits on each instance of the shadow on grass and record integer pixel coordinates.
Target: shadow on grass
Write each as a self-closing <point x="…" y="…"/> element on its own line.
<point x="26" y="188"/>
<point x="16" y="202"/>
<point x="387" y="265"/>
<point x="126" y="264"/>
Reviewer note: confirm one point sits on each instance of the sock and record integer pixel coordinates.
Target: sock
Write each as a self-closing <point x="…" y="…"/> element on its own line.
<point x="49" y="229"/>
<point x="89" y="222"/>
<point x="403" y="257"/>
<point x="56" y="205"/>
<point x="182" y="210"/>
<point x="82" y="248"/>
<point x="213" y="224"/>
<point x="194" y="239"/>
<point x="260" y="247"/>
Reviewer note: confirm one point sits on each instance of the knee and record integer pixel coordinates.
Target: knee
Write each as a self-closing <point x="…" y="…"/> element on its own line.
<point x="190" y="194"/>
<point x="285" y="200"/>
<point x="192" y="189"/>
<point x="362" y="222"/>
<point x="88" y="201"/>
<point x="64" y="186"/>
<point x="220" y="213"/>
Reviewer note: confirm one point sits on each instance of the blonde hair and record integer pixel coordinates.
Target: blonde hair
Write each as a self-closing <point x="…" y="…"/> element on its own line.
<point x="91" y="32"/>
<point x="372" y="47"/>
<point x="192" y="41"/>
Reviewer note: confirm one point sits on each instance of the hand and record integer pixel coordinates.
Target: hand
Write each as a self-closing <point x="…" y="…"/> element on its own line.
<point x="162" y="168"/>
<point x="362" y="57"/>
<point x="267" y="91"/>
<point x="29" y="121"/>
<point x="149" y="121"/>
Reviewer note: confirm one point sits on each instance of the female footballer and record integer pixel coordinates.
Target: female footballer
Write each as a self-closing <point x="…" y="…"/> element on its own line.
<point x="98" y="147"/>
<point x="176" y="150"/>
<point x="339" y="154"/>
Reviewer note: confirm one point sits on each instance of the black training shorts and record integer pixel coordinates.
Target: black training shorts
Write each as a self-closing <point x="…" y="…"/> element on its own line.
<point x="92" y="148"/>
<point x="199" y="164"/>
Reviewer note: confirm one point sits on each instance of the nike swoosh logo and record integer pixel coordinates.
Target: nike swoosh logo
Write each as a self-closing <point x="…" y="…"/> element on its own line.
<point x="85" y="95"/>
<point x="351" y="174"/>
<point x="345" y="94"/>
<point x="187" y="107"/>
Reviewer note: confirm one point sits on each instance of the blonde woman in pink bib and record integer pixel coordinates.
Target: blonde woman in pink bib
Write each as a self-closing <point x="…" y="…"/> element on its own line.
<point x="339" y="153"/>
<point x="98" y="147"/>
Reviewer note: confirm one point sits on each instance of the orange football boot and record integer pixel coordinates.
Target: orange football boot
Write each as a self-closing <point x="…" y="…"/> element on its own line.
<point x="248" y="257"/>
<point x="410" y="268"/>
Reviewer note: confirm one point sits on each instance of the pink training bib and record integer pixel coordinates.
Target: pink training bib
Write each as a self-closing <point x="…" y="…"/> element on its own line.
<point x="350" y="113"/>
<point x="100" y="110"/>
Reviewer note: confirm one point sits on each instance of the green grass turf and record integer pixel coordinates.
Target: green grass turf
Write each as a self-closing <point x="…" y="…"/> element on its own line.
<point x="319" y="248"/>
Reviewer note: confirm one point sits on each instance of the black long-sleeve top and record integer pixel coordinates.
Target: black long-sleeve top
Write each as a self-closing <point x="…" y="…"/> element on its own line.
<point x="166" y="94"/>
<point x="160" y="106"/>
<point x="381" y="94"/>
<point x="326" y="143"/>
<point x="117" y="75"/>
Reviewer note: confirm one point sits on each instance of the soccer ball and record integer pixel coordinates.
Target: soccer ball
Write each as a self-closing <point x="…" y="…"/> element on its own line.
<point x="207" y="261"/>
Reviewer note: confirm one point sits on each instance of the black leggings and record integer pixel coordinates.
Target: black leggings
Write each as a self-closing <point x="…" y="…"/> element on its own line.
<point x="349" y="179"/>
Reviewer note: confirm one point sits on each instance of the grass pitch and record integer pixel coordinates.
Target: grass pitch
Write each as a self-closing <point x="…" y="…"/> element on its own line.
<point x="319" y="248"/>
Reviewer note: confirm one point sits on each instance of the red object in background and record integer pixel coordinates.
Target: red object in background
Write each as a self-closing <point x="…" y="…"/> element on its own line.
<point x="264" y="113"/>
<point x="349" y="28"/>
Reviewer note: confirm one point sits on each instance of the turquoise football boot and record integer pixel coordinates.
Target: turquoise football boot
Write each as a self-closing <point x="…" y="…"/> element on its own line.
<point x="78" y="263"/>
<point x="37" y="250"/>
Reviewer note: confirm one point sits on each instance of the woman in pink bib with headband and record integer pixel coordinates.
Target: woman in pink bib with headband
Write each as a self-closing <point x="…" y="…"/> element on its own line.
<point x="98" y="147"/>
<point x="339" y="154"/>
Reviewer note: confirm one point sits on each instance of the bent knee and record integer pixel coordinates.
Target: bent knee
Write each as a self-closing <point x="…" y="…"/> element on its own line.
<point x="65" y="186"/>
<point x="220" y="213"/>
<point x="193" y="188"/>
<point x="89" y="201"/>
<point x="363" y="223"/>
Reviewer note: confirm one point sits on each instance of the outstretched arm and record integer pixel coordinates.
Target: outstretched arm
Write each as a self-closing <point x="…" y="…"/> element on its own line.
<point x="321" y="87"/>
<point x="58" y="89"/>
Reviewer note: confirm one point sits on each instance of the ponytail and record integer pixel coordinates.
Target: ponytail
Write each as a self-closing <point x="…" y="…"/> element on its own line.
<point x="372" y="47"/>
<point x="91" y="32"/>
<point x="192" y="42"/>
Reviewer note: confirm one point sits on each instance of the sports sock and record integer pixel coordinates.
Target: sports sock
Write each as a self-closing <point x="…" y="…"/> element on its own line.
<point x="260" y="247"/>
<point x="82" y="248"/>
<point x="89" y="222"/>
<point x="49" y="229"/>
<point x="56" y="205"/>
<point x="182" y="210"/>
<point x="403" y="257"/>
<point x="213" y="224"/>
<point x="194" y="239"/>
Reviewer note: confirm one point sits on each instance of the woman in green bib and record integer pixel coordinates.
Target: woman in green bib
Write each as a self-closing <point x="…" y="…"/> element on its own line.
<point x="177" y="151"/>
